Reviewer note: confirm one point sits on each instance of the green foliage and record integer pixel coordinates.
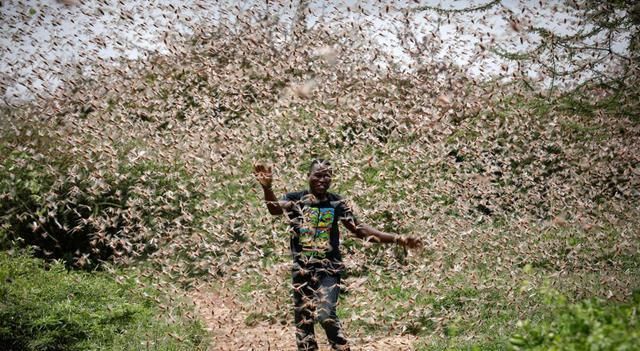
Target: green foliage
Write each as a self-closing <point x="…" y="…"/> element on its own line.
<point x="85" y="215"/>
<point x="587" y="325"/>
<point x="45" y="307"/>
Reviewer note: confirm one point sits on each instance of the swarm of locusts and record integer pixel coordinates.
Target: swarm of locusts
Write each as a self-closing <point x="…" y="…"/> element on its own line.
<point x="151" y="159"/>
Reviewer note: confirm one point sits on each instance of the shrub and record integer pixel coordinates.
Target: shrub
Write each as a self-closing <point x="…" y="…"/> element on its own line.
<point x="85" y="213"/>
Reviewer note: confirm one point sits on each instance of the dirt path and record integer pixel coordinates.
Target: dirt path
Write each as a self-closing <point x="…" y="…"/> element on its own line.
<point x="225" y="318"/>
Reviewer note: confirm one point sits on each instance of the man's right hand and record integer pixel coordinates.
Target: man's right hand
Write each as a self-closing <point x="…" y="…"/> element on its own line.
<point x="265" y="178"/>
<point x="263" y="175"/>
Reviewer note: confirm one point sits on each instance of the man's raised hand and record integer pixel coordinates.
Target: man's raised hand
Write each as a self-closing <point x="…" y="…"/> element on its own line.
<point x="263" y="175"/>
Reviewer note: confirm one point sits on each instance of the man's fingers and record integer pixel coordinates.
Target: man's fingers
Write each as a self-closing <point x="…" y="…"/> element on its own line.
<point x="262" y="174"/>
<point x="261" y="169"/>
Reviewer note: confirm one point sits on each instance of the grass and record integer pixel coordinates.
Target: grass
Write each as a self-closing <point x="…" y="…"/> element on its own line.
<point x="591" y="324"/>
<point x="45" y="307"/>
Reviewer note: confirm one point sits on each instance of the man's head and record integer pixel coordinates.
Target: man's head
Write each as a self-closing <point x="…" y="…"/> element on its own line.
<point x="320" y="174"/>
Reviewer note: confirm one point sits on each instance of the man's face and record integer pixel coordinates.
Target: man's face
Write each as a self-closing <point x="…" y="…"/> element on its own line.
<point x="320" y="179"/>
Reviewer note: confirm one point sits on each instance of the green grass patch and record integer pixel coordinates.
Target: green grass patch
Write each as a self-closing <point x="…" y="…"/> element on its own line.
<point x="45" y="307"/>
<point x="592" y="324"/>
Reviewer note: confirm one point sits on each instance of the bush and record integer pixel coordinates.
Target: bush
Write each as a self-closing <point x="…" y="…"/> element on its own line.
<point x="45" y="307"/>
<point x="587" y="325"/>
<point x="86" y="213"/>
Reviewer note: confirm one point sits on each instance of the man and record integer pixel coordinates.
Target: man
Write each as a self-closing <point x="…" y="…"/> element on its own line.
<point x="315" y="245"/>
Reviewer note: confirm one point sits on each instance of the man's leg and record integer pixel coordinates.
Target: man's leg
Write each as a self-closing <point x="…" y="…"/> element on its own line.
<point x="328" y="291"/>
<point x="304" y="307"/>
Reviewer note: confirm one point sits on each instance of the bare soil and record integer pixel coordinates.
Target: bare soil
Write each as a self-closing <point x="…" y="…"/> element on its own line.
<point x="225" y="317"/>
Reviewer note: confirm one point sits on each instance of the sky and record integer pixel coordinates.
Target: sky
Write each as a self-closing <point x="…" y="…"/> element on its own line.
<point x="45" y="41"/>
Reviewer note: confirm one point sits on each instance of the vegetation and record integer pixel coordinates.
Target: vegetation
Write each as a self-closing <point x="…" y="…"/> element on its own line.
<point x="587" y="325"/>
<point x="45" y="307"/>
<point x="527" y="199"/>
<point x="54" y="203"/>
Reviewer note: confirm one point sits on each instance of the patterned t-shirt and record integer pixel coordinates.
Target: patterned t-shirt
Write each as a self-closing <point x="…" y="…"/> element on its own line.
<point x="314" y="225"/>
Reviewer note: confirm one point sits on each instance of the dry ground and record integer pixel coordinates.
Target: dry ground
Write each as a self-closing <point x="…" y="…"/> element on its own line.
<point x="224" y="318"/>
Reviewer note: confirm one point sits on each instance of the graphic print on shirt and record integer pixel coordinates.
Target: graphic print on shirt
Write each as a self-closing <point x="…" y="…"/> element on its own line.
<point x="316" y="229"/>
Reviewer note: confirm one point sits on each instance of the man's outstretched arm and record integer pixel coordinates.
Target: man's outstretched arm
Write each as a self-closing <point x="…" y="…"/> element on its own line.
<point x="367" y="232"/>
<point x="265" y="177"/>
